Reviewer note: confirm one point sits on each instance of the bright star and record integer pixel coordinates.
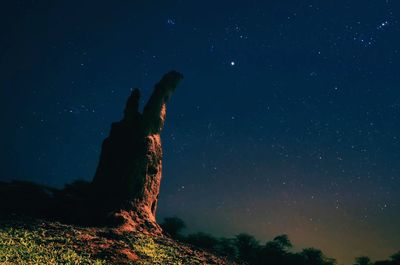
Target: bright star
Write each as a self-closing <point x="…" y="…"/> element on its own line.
<point x="170" y="21"/>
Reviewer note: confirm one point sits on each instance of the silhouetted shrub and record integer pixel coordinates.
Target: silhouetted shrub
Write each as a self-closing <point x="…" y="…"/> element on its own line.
<point x="226" y="247"/>
<point x="363" y="261"/>
<point x="383" y="262"/>
<point x="247" y="247"/>
<point x="276" y="252"/>
<point x="316" y="257"/>
<point x="202" y="240"/>
<point x="283" y="242"/>
<point x="395" y="258"/>
<point x="173" y="226"/>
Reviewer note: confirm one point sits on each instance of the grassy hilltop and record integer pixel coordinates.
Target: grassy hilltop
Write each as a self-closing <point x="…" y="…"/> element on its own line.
<point x="40" y="242"/>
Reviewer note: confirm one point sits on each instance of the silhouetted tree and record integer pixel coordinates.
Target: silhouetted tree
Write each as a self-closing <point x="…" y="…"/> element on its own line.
<point x="363" y="261"/>
<point x="283" y="242"/>
<point x="226" y="247"/>
<point x="279" y="244"/>
<point x="383" y="262"/>
<point x="315" y="257"/>
<point x="395" y="258"/>
<point x="294" y="259"/>
<point x="202" y="240"/>
<point x="173" y="226"/>
<point x="275" y="251"/>
<point x="247" y="247"/>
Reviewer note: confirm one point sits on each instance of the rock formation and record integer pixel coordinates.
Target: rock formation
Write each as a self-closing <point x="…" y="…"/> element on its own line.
<point x="127" y="181"/>
<point x="124" y="191"/>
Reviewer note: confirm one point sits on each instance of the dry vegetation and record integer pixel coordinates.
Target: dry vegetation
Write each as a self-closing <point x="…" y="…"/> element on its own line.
<point x="39" y="242"/>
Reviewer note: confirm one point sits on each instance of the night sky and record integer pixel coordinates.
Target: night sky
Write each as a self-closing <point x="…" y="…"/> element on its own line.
<point x="287" y="120"/>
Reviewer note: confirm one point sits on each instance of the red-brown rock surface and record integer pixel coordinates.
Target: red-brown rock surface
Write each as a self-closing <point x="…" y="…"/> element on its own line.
<point x="127" y="181"/>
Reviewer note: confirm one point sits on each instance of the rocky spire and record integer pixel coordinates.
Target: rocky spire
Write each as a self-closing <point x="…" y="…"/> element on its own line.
<point x="127" y="181"/>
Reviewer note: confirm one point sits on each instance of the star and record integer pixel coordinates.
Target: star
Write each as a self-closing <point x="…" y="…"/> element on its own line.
<point x="382" y="25"/>
<point x="170" y="21"/>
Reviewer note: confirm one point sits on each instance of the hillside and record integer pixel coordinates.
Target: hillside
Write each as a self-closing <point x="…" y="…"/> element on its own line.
<point x="33" y="241"/>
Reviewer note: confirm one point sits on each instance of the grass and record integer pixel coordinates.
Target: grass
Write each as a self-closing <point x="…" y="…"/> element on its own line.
<point x="153" y="252"/>
<point x="36" y="242"/>
<point x="19" y="245"/>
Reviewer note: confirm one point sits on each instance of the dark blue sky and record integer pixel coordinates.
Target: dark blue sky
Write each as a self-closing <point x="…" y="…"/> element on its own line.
<point x="287" y="120"/>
